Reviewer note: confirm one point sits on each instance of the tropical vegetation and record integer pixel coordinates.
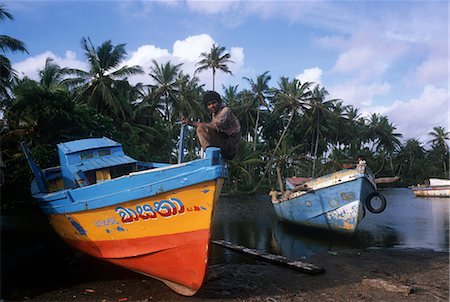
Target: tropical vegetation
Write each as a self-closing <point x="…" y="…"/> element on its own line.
<point x="291" y="129"/>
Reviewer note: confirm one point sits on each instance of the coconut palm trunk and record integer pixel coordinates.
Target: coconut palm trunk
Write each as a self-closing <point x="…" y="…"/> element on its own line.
<point x="274" y="152"/>
<point x="315" y="149"/>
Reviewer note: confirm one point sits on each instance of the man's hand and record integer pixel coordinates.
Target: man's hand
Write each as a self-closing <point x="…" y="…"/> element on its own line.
<point x="186" y="121"/>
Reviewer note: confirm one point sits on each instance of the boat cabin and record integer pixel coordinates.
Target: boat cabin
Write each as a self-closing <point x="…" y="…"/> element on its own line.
<point x="85" y="162"/>
<point x="93" y="160"/>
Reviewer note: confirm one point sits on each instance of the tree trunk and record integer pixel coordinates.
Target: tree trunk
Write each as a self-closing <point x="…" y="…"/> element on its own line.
<point x="214" y="79"/>
<point x="315" y="150"/>
<point x="274" y="152"/>
<point x="255" y="138"/>
<point x="279" y="178"/>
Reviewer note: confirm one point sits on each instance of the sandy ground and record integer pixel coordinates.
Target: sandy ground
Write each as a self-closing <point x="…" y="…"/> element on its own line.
<point x="424" y="272"/>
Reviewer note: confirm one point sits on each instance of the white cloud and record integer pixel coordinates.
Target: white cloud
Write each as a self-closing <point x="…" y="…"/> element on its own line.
<point x="310" y="75"/>
<point x="144" y="55"/>
<point x="211" y="6"/>
<point x="355" y="59"/>
<point x="433" y="70"/>
<point x="416" y="117"/>
<point x="186" y="52"/>
<point x="190" y="48"/>
<point x="237" y="56"/>
<point x="368" y="54"/>
<point x="31" y="67"/>
<point x="358" y="95"/>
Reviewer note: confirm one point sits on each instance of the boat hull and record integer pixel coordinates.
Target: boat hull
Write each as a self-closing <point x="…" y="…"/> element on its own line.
<point x="336" y="206"/>
<point x="436" y="191"/>
<point x="165" y="236"/>
<point x="152" y="218"/>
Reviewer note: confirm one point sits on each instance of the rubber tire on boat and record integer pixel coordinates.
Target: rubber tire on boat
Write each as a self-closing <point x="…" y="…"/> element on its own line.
<point x="369" y="204"/>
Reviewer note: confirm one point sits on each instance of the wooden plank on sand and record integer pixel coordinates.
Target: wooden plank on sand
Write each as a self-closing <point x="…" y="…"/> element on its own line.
<point x="304" y="267"/>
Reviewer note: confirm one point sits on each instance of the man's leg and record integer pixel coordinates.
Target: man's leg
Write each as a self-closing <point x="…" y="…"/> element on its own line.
<point x="208" y="137"/>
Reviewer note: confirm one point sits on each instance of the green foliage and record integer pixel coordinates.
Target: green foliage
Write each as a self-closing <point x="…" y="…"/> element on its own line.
<point x="293" y="127"/>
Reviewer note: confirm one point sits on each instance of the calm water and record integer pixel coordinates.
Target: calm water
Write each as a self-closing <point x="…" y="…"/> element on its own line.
<point x="407" y="222"/>
<point x="28" y="244"/>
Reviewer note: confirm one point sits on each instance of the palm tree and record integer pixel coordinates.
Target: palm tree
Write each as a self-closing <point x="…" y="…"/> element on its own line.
<point x="98" y="86"/>
<point x="382" y="133"/>
<point x="215" y="60"/>
<point x="319" y="113"/>
<point x="409" y="153"/>
<point x="7" y="75"/>
<point x="440" y="147"/>
<point x="244" y="107"/>
<point x="290" y="99"/>
<point x="52" y="75"/>
<point x="355" y="132"/>
<point x="440" y="136"/>
<point x="260" y="88"/>
<point x="339" y="120"/>
<point x="242" y="165"/>
<point x="231" y="96"/>
<point x="383" y="137"/>
<point x="188" y="102"/>
<point x="167" y="81"/>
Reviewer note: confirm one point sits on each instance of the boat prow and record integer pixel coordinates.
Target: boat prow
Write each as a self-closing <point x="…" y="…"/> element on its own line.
<point x="334" y="202"/>
<point x="151" y="218"/>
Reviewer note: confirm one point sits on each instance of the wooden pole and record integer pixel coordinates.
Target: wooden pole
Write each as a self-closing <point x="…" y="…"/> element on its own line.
<point x="304" y="267"/>
<point x="181" y="144"/>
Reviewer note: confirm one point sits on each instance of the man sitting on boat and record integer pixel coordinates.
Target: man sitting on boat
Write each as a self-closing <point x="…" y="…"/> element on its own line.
<point x="224" y="130"/>
<point x="359" y="161"/>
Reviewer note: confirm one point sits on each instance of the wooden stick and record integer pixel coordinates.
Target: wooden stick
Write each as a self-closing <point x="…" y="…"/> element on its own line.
<point x="304" y="267"/>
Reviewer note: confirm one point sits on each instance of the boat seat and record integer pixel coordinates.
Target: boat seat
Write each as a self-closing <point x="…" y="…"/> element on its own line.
<point x="55" y="185"/>
<point x="81" y="179"/>
<point x="102" y="175"/>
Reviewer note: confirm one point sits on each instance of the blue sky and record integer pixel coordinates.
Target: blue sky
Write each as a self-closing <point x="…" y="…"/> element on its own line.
<point x="388" y="57"/>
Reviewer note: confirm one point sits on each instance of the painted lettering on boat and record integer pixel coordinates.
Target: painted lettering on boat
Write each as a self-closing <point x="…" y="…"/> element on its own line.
<point x="163" y="208"/>
<point x="106" y="222"/>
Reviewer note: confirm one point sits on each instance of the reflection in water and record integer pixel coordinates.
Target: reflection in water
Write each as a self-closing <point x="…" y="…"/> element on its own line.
<point x="417" y="222"/>
<point x="408" y="221"/>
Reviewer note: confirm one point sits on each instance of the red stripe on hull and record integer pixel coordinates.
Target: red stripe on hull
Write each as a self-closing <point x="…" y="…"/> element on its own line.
<point x="178" y="258"/>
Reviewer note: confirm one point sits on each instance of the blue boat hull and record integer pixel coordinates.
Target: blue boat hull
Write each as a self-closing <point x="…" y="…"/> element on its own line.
<point x="338" y="207"/>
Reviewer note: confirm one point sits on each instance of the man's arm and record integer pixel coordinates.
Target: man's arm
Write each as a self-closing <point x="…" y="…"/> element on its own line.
<point x="187" y="121"/>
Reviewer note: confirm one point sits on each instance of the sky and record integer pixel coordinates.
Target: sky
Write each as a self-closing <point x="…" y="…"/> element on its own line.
<point x="387" y="57"/>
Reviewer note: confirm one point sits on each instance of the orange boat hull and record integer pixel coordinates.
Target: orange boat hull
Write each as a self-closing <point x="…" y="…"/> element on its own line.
<point x="170" y="245"/>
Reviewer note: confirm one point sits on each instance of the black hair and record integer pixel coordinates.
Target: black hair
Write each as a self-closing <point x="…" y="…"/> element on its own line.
<point x="211" y="96"/>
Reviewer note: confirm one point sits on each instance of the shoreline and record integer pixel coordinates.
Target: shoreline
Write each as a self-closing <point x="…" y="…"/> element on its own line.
<point x="425" y="272"/>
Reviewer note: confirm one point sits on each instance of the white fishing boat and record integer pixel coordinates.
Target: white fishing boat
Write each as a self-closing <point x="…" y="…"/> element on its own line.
<point x="435" y="187"/>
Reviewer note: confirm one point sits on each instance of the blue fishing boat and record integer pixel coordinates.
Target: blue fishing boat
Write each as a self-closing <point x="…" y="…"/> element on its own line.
<point x="151" y="218"/>
<point x="334" y="202"/>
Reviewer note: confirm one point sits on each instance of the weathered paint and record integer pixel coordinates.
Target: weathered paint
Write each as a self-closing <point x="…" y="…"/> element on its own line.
<point x="335" y="202"/>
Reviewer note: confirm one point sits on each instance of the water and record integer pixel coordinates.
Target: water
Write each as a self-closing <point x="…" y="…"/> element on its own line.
<point x="30" y="245"/>
<point x="407" y="222"/>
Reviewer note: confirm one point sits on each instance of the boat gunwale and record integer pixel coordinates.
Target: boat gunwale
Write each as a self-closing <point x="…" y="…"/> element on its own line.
<point x="68" y="203"/>
<point x="327" y="184"/>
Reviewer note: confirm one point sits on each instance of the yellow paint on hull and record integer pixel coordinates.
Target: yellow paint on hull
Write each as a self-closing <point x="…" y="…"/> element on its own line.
<point x="139" y="218"/>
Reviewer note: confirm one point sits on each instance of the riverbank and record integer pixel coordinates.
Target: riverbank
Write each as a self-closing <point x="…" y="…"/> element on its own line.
<point x="407" y="275"/>
<point x="36" y="265"/>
